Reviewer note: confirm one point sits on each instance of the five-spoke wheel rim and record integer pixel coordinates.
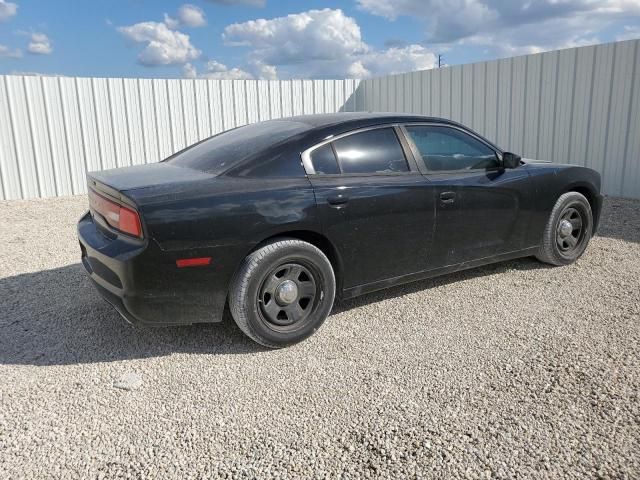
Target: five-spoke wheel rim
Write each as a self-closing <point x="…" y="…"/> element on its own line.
<point x="570" y="230"/>
<point x="288" y="295"/>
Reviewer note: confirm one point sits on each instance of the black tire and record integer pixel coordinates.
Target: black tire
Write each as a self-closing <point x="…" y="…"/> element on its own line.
<point x="263" y="306"/>
<point x="563" y="243"/>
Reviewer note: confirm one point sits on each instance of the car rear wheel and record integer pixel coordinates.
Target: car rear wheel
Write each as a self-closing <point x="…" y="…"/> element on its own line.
<point x="568" y="230"/>
<point x="282" y="292"/>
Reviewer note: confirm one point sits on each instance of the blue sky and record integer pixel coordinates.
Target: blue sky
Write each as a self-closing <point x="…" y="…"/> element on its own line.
<point x="284" y="39"/>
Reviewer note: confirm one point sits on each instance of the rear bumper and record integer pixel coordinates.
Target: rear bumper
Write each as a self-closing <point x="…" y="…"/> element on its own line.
<point x="143" y="284"/>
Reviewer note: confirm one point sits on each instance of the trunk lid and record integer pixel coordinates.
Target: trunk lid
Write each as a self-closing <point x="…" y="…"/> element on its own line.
<point x="132" y="185"/>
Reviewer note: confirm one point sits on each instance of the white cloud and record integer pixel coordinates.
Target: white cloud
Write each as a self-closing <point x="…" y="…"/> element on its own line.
<point x="162" y="45"/>
<point x="216" y="70"/>
<point x="319" y="43"/>
<point x="398" y="60"/>
<point x="251" y="3"/>
<point x="188" y="16"/>
<point x="7" y="52"/>
<point x="189" y="71"/>
<point x="514" y="26"/>
<point x="39" y="44"/>
<point x="314" y="35"/>
<point x="7" y="10"/>
<point x="631" y="32"/>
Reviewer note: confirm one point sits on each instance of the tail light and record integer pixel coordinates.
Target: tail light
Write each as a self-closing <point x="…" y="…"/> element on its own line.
<point x="121" y="218"/>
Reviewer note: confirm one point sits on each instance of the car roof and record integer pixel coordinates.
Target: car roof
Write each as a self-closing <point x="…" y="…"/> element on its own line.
<point x="320" y="120"/>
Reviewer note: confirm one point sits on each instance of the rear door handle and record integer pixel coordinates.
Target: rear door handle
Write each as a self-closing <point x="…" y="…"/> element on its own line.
<point x="337" y="200"/>
<point x="448" y="197"/>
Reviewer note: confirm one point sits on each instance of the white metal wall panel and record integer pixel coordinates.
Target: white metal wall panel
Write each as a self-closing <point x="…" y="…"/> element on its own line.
<point x="203" y="114"/>
<point x="134" y="121"/>
<point x="456" y="93"/>
<point x="518" y="112"/>
<point x="23" y="137"/>
<point x="73" y="136"/>
<point x="532" y="105"/>
<point x="104" y="123"/>
<point x="548" y="91"/>
<point x="228" y="107"/>
<point x="307" y="97"/>
<point x="359" y="99"/>
<point x="148" y="121"/>
<point x="599" y="118"/>
<point x="467" y="95"/>
<point x="176" y="114"/>
<point x="275" y="99"/>
<point x="503" y="129"/>
<point x="479" y="97"/>
<point x="445" y="92"/>
<point x="425" y="92"/>
<point x="119" y="121"/>
<point x="581" y="112"/>
<point x="619" y="109"/>
<point x="318" y="96"/>
<point x="240" y="101"/>
<point x="631" y="166"/>
<point x="491" y="100"/>
<point x="296" y="97"/>
<point x="40" y="136"/>
<point x="564" y="104"/>
<point x="88" y="127"/>
<point x="189" y="111"/>
<point x="57" y="136"/>
<point x="286" y="92"/>
<point x="407" y="92"/>
<point x="215" y="107"/>
<point x="11" y="181"/>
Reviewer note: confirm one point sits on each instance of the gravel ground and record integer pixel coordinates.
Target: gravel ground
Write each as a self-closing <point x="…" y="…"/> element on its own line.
<point x="512" y="370"/>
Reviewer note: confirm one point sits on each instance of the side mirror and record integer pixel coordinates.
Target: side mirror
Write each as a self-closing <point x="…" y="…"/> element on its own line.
<point x="510" y="160"/>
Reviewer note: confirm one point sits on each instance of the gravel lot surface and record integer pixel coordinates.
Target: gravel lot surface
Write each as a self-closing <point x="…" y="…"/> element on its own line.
<point x="512" y="370"/>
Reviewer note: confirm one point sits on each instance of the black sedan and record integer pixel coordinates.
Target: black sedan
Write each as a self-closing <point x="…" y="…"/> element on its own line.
<point x="278" y="218"/>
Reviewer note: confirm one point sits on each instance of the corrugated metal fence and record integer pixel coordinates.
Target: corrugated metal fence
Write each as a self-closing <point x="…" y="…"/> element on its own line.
<point x="55" y="129"/>
<point x="579" y="106"/>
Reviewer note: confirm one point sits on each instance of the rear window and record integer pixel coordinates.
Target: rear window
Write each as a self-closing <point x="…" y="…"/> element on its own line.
<point x="226" y="149"/>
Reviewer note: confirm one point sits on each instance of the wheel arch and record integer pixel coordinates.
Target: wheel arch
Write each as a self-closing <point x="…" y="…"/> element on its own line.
<point x="590" y="194"/>
<point x="318" y="240"/>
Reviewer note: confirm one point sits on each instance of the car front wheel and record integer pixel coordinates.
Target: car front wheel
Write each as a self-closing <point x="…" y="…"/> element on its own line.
<point x="282" y="292"/>
<point x="568" y="230"/>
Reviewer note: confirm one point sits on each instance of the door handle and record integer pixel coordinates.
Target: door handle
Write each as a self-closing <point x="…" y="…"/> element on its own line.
<point x="337" y="200"/>
<point x="448" y="197"/>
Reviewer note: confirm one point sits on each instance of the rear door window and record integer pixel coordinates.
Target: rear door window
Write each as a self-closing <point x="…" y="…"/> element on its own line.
<point x="372" y="151"/>
<point x="324" y="160"/>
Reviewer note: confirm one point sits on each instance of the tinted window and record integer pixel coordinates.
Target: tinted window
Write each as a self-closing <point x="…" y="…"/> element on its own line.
<point x="279" y="165"/>
<point x="372" y="151"/>
<point x="324" y="161"/>
<point x="220" y="152"/>
<point x="444" y="149"/>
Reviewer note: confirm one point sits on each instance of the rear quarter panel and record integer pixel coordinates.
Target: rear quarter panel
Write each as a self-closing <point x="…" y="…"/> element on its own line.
<point x="223" y="218"/>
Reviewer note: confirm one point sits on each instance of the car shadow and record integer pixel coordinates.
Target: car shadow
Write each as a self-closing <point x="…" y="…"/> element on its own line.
<point x="55" y="317"/>
<point x="528" y="263"/>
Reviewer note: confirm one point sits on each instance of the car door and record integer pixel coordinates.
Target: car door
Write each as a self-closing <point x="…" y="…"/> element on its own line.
<point x="482" y="209"/>
<point x="374" y="204"/>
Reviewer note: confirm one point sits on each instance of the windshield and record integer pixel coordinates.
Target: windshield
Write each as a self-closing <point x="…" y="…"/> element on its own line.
<point x="221" y="151"/>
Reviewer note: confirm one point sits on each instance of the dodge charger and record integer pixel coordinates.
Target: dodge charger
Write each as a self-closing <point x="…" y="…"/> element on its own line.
<point x="278" y="219"/>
